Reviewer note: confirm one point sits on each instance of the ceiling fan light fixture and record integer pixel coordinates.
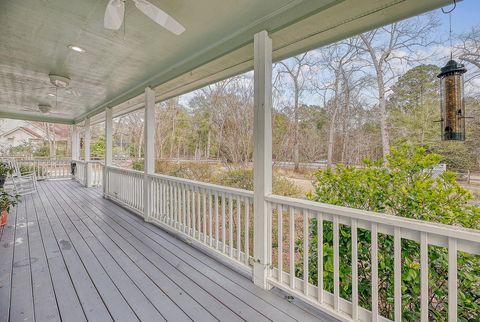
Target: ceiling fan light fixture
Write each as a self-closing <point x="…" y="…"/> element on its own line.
<point x="44" y="108"/>
<point x="59" y="81"/>
<point x="78" y="49"/>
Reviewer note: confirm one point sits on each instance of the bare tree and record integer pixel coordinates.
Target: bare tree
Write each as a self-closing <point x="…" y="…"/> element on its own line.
<point x="339" y="66"/>
<point x="296" y="72"/>
<point x="469" y="48"/>
<point x="468" y="51"/>
<point x="389" y="45"/>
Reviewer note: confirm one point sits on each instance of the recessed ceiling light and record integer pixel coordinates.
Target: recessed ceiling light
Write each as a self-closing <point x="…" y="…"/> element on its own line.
<point x="76" y="48"/>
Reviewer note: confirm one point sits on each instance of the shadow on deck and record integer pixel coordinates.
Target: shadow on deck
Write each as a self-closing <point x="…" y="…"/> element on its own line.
<point x="68" y="254"/>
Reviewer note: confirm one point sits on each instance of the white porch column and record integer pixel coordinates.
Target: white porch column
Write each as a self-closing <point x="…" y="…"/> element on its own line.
<point x="262" y="154"/>
<point x="108" y="146"/>
<point x="74" y="143"/>
<point x="149" y="149"/>
<point x="86" y="143"/>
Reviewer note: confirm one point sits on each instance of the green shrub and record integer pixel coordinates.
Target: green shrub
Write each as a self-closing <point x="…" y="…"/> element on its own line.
<point x="138" y="165"/>
<point x="236" y="178"/>
<point x="39" y="171"/>
<point x="198" y="171"/>
<point x="403" y="186"/>
<point x="243" y="179"/>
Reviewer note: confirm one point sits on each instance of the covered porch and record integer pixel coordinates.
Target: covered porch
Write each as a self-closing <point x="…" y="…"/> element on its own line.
<point x="69" y="254"/>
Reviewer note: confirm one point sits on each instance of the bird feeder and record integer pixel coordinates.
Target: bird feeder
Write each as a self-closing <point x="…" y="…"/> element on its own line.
<point x="452" y="105"/>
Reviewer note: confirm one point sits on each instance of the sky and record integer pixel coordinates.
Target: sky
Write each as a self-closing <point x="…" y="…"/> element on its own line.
<point x="465" y="15"/>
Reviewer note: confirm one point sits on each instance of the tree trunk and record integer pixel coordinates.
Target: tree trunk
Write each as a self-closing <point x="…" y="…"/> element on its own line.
<point x="331" y="133"/>
<point x="174" y="120"/>
<point x="208" y="143"/>
<point x="296" y="156"/>
<point x="346" y="111"/>
<point x="383" y="117"/>
<point x="377" y="64"/>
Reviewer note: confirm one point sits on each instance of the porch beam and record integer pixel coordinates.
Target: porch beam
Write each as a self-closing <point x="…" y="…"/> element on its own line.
<point x="87" y="139"/>
<point x="108" y="146"/>
<point x="74" y="144"/>
<point x="86" y="143"/>
<point x="262" y="154"/>
<point x="108" y="136"/>
<point x="149" y="148"/>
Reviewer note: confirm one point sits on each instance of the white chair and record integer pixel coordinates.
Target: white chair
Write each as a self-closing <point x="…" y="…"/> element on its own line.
<point x="24" y="183"/>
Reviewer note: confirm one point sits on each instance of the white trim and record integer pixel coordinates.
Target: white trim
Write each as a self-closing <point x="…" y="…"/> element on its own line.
<point x="262" y="154"/>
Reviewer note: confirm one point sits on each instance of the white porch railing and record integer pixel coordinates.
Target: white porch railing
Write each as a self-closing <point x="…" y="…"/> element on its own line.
<point x="89" y="173"/>
<point x="80" y="171"/>
<point x="125" y="187"/>
<point x="95" y="173"/>
<point x="220" y="219"/>
<point x="216" y="216"/>
<point x="47" y="168"/>
<point x="293" y="220"/>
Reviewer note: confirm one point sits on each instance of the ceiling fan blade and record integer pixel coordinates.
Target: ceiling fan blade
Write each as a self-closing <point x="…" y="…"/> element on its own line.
<point x="57" y="113"/>
<point x="72" y="92"/>
<point x="114" y="14"/>
<point x="41" y="88"/>
<point x="159" y="16"/>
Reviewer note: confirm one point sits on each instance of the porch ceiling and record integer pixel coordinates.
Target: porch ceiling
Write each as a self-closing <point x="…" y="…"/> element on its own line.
<point x="118" y="66"/>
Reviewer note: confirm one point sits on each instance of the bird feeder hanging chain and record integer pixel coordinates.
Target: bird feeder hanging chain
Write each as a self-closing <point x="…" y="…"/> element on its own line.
<point x="449" y="12"/>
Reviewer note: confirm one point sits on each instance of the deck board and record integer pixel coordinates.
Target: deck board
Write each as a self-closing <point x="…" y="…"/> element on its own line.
<point x="44" y="299"/>
<point x="242" y="301"/>
<point x="6" y="254"/>
<point x="81" y="257"/>
<point x="21" y="307"/>
<point x="68" y="303"/>
<point x="86" y="274"/>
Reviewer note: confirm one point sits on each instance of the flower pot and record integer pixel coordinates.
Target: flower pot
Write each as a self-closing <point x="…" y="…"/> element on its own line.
<point x="3" y="218"/>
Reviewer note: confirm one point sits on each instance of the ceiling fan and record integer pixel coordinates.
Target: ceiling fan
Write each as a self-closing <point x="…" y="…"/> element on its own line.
<point x="44" y="108"/>
<point x="115" y="14"/>
<point x="59" y="85"/>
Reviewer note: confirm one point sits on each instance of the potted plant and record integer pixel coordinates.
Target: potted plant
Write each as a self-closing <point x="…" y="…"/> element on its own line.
<point x="5" y="170"/>
<point x="6" y="202"/>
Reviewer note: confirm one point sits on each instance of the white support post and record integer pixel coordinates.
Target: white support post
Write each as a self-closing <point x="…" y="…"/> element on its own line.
<point x="262" y="154"/>
<point x="86" y="143"/>
<point x="74" y="143"/>
<point x="149" y="150"/>
<point x="108" y="146"/>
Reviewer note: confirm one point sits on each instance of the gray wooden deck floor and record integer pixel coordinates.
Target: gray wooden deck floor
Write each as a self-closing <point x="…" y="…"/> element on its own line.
<point x="68" y="254"/>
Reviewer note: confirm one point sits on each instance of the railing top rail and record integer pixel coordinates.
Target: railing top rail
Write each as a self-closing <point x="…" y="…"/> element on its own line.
<point x="457" y="232"/>
<point x="125" y="170"/>
<point x="96" y="161"/>
<point x="204" y="185"/>
<point x="40" y="159"/>
<point x="89" y="161"/>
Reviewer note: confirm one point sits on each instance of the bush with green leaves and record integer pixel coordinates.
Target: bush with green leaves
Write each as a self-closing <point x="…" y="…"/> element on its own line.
<point x="138" y="165"/>
<point x="5" y="169"/>
<point x="8" y="200"/>
<point x="243" y="179"/>
<point x="401" y="185"/>
<point x="39" y="171"/>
